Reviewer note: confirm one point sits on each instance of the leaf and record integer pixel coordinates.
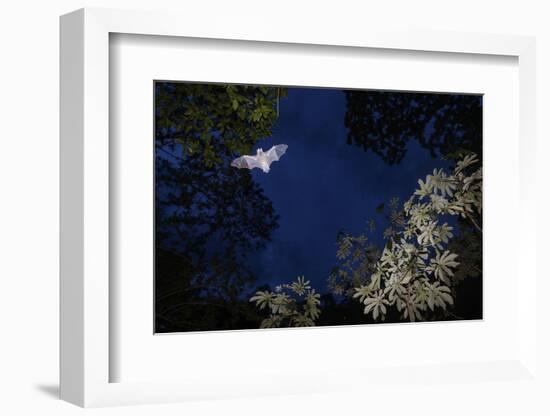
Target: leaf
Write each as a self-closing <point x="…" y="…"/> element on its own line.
<point x="425" y="188"/>
<point x="262" y="298"/>
<point x="442" y="265"/>
<point x="362" y="293"/>
<point x="300" y="286"/>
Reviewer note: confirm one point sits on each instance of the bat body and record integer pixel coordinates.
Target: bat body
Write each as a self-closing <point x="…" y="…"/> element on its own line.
<point x="262" y="159"/>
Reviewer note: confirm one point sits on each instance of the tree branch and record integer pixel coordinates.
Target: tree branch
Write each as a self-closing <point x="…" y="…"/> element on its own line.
<point x="473" y="221"/>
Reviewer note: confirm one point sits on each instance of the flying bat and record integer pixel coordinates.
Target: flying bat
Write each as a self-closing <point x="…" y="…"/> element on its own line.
<point x="262" y="159"/>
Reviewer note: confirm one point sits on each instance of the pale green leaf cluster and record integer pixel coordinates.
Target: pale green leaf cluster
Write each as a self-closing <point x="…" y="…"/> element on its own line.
<point x="294" y="304"/>
<point x="414" y="272"/>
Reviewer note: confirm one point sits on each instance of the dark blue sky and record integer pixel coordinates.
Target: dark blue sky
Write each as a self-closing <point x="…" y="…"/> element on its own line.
<point x="323" y="185"/>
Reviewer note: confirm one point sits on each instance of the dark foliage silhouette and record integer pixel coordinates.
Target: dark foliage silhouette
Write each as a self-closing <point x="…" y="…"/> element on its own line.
<point x="383" y="122"/>
<point x="209" y="215"/>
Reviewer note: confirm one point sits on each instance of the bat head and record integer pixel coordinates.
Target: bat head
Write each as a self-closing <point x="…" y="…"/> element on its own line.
<point x="259" y="151"/>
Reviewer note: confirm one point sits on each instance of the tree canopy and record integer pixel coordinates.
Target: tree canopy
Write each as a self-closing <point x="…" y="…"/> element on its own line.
<point x="384" y="121"/>
<point x="214" y="120"/>
<point x="209" y="216"/>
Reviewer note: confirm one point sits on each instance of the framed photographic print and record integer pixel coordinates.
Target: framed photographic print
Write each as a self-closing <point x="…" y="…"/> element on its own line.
<point x="311" y="215"/>
<point x="287" y="228"/>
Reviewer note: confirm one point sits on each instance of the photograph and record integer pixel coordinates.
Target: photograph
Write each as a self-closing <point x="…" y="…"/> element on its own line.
<point x="235" y="208"/>
<point x="281" y="206"/>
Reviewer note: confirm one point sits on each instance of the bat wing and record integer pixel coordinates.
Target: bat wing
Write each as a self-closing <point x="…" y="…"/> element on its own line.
<point x="276" y="152"/>
<point x="246" y="162"/>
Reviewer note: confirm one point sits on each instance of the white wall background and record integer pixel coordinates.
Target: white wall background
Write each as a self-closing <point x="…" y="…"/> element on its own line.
<point x="29" y="206"/>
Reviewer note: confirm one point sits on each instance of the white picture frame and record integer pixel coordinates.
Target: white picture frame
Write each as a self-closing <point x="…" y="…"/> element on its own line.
<point x="85" y="218"/>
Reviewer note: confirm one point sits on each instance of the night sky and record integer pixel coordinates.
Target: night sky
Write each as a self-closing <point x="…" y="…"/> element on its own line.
<point x="323" y="185"/>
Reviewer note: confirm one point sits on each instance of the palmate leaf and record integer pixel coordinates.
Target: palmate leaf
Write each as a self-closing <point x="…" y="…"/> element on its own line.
<point x="442" y="266"/>
<point x="428" y="234"/>
<point x="362" y="293"/>
<point x="395" y="289"/>
<point x="464" y="163"/>
<point x="376" y="305"/>
<point x="441" y="182"/>
<point x="425" y="189"/>
<point x="439" y="296"/>
<point x="280" y="303"/>
<point x="421" y="295"/>
<point x="388" y="257"/>
<point x="302" y="321"/>
<point x="412" y="311"/>
<point x="344" y="247"/>
<point x="420" y="215"/>
<point x="410" y="270"/>
<point x="439" y="203"/>
<point x="263" y="299"/>
<point x="444" y="232"/>
<point x="311" y="307"/>
<point x="274" y="321"/>
<point x="300" y="285"/>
